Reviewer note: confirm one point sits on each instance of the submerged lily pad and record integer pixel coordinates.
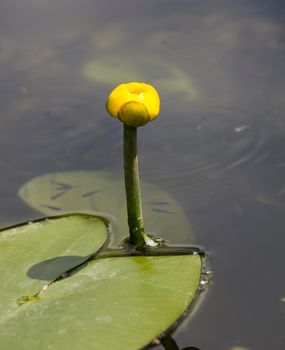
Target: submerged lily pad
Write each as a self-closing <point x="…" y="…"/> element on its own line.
<point x="109" y="303"/>
<point x="102" y="193"/>
<point x="168" y="78"/>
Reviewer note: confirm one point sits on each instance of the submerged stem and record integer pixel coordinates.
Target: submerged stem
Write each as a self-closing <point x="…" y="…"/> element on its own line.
<point x="132" y="184"/>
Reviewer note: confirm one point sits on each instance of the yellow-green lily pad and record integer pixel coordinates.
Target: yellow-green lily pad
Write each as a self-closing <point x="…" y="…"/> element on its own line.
<point x="110" y="302"/>
<point x="35" y="253"/>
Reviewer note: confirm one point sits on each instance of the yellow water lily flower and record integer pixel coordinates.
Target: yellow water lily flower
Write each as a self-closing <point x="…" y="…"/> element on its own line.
<point x="134" y="104"/>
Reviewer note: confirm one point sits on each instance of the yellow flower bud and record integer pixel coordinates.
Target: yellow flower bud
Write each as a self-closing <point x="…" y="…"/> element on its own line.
<point x="134" y="104"/>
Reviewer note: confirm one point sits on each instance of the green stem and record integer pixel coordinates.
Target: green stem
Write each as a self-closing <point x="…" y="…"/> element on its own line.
<point x="132" y="184"/>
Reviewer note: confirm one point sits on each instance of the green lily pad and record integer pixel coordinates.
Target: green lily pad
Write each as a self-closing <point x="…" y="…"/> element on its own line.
<point x="103" y="193"/>
<point x="109" y="303"/>
<point x="112" y="303"/>
<point x="35" y="253"/>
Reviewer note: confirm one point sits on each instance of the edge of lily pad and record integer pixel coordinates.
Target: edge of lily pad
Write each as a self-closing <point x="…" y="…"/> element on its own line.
<point x="188" y="312"/>
<point x="86" y="213"/>
<point x="106" y="219"/>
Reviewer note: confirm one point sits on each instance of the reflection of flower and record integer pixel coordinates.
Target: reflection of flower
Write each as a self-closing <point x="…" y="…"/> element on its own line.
<point x="134" y="104"/>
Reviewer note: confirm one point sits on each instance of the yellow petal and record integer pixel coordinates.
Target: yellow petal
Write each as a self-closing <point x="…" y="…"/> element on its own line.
<point x="134" y="92"/>
<point x="117" y="98"/>
<point x="151" y="102"/>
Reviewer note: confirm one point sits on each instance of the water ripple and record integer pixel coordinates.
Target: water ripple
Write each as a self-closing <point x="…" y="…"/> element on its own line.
<point x="206" y="147"/>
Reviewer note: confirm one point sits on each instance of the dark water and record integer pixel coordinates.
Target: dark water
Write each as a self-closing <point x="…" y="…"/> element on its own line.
<point x="217" y="148"/>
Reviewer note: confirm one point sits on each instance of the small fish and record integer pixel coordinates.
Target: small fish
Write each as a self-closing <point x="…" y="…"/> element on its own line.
<point x="157" y="203"/>
<point x="88" y="194"/>
<point x="163" y="211"/>
<point x="51" y="207"/>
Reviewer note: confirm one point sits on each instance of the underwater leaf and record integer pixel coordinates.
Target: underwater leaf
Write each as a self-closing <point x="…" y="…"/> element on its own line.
<point x="103" y="193"/>
<point x="169" y="78"/>
<point x="111" y="303"/>
<point x="35" y="253"/>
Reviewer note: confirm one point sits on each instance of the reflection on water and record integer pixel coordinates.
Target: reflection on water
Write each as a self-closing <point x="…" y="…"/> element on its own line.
<point x="218" y="147"/>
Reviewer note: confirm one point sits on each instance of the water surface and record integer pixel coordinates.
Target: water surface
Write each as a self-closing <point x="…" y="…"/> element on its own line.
<point x="217" y="148"/>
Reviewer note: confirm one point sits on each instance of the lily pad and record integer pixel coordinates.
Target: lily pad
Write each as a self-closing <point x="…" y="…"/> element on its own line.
<point x="35" y="253"/>
<point x="110" y="302"/>
<point x="103" y="193"/>
<point x="169" y="78"/>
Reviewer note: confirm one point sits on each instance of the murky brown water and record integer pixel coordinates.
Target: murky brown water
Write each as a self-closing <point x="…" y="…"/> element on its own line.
<point x="217" y="148"/>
